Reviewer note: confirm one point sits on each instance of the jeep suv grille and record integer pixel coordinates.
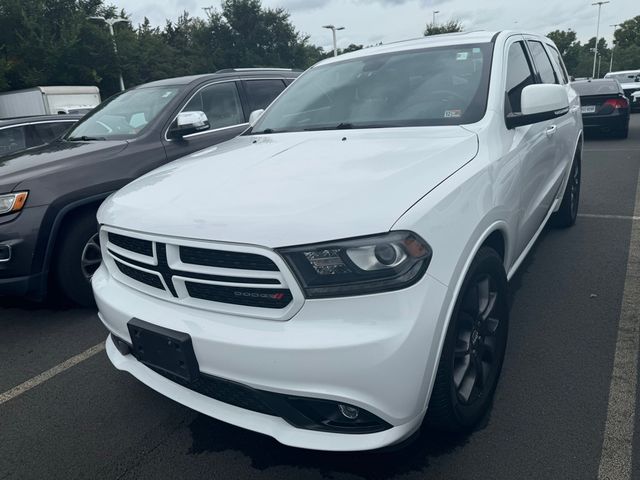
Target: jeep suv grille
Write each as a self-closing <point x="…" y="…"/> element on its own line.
<point x="245" y="280"/>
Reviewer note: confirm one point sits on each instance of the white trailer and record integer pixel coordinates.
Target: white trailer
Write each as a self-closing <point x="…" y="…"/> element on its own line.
<point x="48" y="101"/>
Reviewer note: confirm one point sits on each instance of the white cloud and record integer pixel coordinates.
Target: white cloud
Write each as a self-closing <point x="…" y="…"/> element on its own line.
<point x="372" y="21"/>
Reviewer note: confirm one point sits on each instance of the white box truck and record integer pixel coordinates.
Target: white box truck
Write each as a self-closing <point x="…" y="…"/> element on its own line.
<point x="48" y="101"/>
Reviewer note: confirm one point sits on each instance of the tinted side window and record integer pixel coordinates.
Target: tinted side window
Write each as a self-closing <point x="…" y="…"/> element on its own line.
<point x="542" y="62"/>
<point x="47" y="132"/>
<point x="519" y="75"/>
<point x="262" y="92"/>
<point x="220" y="103"/>
<point x="559" y="64"/>
<point x="12" y="139"/>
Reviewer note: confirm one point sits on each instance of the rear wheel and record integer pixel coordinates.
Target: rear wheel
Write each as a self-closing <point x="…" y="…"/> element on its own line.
<point x="568" y="211"/>
<point x="474" y="348"/>
<point x="78" y="256"/>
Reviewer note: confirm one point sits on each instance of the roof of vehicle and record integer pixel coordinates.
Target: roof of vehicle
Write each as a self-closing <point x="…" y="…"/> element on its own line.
<point x="622" y="72"/>
<point x="226" y="73"/>
<point x="595" y="80"/>
<point x="5" y="122"/>
<point x="59" y="90"/>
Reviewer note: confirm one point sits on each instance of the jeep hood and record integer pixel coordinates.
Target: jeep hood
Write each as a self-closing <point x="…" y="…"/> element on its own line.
<point x="292" y="188"/>
<point x="56" y="156"/>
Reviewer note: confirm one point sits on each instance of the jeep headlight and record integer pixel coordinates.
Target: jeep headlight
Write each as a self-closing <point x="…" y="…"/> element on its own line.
<point x="12" y="202"/>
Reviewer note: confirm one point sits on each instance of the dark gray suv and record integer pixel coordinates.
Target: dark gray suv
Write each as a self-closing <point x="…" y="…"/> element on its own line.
<point x="49" y="195"/>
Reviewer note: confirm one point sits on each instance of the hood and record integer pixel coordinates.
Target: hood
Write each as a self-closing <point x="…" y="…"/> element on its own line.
<point x="292" y="188"/>
<point x="56" y="156"/>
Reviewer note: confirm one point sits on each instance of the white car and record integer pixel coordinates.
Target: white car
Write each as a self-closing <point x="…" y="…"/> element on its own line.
<point x="630" y="82"/>
<point x="337" y="275"/>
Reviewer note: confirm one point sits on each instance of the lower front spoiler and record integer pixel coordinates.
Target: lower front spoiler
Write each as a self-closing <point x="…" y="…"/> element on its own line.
<point x="273" y="426"/>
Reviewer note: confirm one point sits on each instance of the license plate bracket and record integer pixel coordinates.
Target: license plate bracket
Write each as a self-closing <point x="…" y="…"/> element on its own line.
<point x="169" y="351"/>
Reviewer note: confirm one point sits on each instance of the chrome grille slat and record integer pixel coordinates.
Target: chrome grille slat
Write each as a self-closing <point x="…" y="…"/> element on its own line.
<point x="238" y="279"/>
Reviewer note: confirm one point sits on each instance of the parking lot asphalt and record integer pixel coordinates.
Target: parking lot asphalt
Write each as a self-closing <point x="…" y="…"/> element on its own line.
<point x="549" y="417"/>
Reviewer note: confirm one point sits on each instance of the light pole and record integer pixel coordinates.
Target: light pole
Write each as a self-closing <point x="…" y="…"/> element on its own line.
<point x="613" y="46"/>
<point x="595" y="50"/>
<point x="599" y="62"/>
<point x="434" y="16"/>
<point x="111" y="22"/>
<point x="335" y="44"/>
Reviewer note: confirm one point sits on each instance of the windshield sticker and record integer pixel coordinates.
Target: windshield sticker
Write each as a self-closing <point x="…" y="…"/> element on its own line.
<point x="462" y="55"/>
<point x="452" y="113"/>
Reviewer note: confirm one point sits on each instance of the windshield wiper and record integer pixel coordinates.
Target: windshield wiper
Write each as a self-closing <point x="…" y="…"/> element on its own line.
<point x="84" y="138"/>
<point x="267" y="131"/>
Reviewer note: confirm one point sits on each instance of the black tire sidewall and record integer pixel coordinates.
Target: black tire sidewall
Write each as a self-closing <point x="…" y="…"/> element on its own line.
<point x="487" y="261"/>
<point x="69" y="277"/>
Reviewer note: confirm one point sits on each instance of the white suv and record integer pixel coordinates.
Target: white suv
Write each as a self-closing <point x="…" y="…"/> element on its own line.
<point x="337" y="275"/>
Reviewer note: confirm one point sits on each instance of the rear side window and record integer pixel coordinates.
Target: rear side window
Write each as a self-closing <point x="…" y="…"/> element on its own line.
<point x="12" y="139"/>
<point x="542" y="62"/>
<point x="47" y="132"/>
<point x="262" y="92"/>
<point x="559" y="64"/>
<point x="220" y="103"/>
<point x="519" y="75"/>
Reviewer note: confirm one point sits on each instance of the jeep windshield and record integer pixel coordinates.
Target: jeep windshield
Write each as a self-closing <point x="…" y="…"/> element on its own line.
<point x="433" y="86"/>
<point x="123" y="116"/>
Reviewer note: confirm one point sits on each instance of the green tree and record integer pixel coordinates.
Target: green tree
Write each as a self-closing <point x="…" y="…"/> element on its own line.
<point x="451" y="26"/>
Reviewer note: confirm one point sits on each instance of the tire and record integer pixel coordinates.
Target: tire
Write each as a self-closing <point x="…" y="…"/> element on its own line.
<point x="456" y="404"/>
<point x="77" y="257"/>
<point x="568" y="212"/>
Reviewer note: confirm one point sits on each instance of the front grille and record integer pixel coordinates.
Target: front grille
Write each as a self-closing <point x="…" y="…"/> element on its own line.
<point x="226" y="259"/>
<point x="204" y="275"/>
<point x="135" y="245"/>
<point x="251" y="297"/>
<point x="140" y="276"/>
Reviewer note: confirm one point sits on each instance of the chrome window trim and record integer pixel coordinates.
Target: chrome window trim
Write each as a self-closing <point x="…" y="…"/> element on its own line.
<point x="37" y="123"/>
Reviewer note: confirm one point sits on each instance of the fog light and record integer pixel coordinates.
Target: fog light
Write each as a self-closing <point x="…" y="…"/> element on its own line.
<point x="348" y="411"/>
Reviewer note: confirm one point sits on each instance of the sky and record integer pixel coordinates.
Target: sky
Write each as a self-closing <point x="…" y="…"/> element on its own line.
<point x="370" y="22"/>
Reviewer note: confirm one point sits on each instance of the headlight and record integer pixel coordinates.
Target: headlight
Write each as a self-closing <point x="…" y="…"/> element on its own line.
<point x="359" y="266"/>
<point x="12" y="202"/>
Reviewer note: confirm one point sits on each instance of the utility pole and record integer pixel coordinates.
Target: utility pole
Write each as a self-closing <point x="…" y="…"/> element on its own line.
<point x="599" y="62"/>
<point x="110" y="23"/>
<point x="613" y="46"/>
<point x="595" y="50"/>
<point x="335" y="44"/>
<point x="434" y="16"/>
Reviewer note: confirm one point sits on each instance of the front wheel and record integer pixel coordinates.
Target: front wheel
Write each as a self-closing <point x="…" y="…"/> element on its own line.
<point x="474" y="348"/>
<point x="78" y="256"/>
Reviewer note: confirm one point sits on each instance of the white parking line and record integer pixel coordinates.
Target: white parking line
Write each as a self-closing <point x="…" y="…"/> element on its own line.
<point x="617" y="446"/>
<point x="52" y="372"/>
<point x="609" y="217"/>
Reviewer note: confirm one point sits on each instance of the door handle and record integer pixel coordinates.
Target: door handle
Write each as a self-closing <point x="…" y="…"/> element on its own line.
<point x="551" y="130"/>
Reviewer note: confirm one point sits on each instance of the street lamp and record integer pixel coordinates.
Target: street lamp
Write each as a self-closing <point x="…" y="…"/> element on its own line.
<point x="111" y="22"/>
<point x="595" y="52"/>
<point x="613" y="46"/>
<point x="434" y="16"/>
<point x="334" y="29"/>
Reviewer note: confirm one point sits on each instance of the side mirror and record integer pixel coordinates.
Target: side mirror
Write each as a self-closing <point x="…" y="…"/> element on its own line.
<point x="255" y="115"/>
<point x="187" y="123"/>
<point x="538" y="103"/>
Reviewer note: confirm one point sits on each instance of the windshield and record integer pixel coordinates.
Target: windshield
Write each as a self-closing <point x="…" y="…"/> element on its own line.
<point x="435" y="86"/>
<point x="123" y="116"/>
<point x="624" y="77"/>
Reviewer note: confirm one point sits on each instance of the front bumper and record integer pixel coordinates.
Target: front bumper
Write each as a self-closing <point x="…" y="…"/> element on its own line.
<point x="20" y="233"/>
<point x="376" y="352"/>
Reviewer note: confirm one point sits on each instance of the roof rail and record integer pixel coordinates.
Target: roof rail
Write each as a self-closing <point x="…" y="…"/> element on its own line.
<point x="257" y="69"/>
